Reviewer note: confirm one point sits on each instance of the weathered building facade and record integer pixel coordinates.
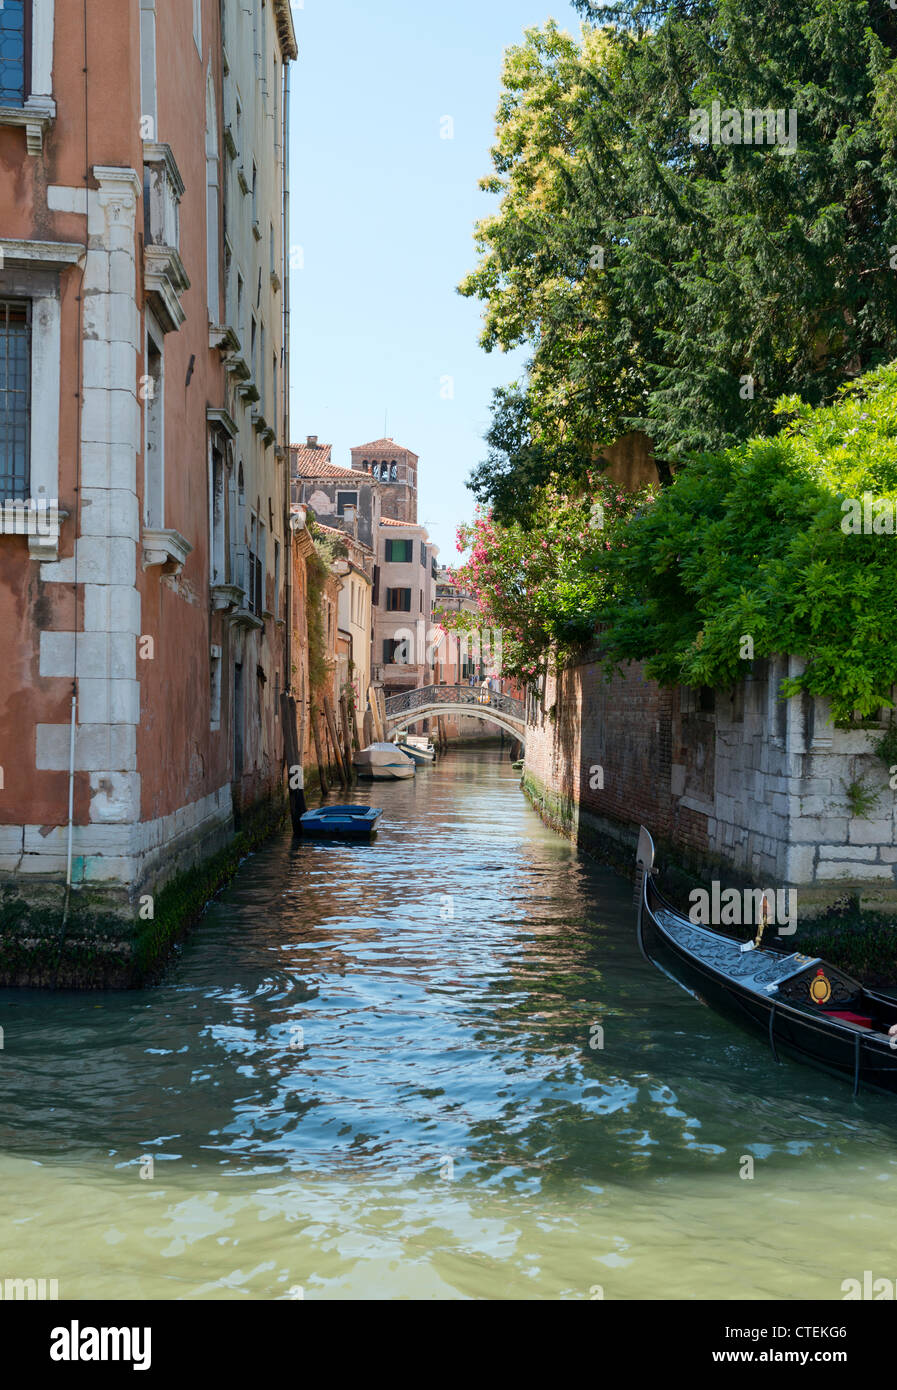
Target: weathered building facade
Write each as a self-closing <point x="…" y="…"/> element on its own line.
<point x="738" y="783"/>
<point x="355" y="572"/>
<point x="405" y="641"/>
<point x="335" y="494"/>
<point x="137" y="704"/>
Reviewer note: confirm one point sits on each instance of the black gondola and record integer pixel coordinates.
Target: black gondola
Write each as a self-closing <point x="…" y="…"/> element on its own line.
<point x="807" y="1008"/>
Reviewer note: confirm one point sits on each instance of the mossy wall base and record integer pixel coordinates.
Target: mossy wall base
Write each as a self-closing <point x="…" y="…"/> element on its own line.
<point x="109" y="940"/>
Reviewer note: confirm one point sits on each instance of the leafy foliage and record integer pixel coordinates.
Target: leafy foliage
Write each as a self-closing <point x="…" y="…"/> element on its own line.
<point x="317" y="571"/>
<point x="651" y="275"/>
<point x="862" y="798"/>
<point x="544" y="587"/>
<point x="752" y="542"/>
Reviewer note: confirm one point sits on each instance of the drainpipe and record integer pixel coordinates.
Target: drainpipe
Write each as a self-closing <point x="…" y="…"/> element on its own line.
<point x="77" y="521"/>
<point x="68" y="851"/>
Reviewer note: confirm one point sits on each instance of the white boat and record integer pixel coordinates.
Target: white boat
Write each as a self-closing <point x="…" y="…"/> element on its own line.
<point x="383" y="761"/>
<point x="420" y="750"/>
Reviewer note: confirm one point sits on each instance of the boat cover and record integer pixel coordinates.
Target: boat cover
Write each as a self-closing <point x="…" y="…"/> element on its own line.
<point x="760" y="970"/>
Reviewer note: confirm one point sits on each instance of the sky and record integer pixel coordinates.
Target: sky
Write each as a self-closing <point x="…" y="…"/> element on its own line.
<point x="384" y="209"/>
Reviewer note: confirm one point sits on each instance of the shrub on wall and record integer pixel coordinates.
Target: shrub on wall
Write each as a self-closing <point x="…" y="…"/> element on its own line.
<point x="779" y="545"/>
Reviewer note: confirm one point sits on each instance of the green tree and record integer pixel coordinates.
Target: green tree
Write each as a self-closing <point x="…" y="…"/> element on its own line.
<point x="678" y="287"/>
<point x="779" y="545"/>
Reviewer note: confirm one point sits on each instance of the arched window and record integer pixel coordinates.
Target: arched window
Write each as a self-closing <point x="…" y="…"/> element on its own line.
<point x="367" y="465"/>
<point x="393" y="471"/>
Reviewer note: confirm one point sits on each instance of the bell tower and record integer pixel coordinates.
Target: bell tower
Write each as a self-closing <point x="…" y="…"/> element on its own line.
<point x="388" y="462"/>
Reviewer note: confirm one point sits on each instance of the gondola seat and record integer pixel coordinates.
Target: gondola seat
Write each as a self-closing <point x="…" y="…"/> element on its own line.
<point x="858" y="1020"/>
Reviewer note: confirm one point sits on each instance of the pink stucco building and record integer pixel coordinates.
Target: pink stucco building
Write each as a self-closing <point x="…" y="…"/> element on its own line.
<point x="144" y="480"/>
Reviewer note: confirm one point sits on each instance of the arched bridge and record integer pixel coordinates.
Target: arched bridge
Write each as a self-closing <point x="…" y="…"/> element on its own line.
<point x="491" y="705"/>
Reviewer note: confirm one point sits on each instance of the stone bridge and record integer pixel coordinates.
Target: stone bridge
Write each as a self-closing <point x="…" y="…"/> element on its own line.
<point x="434" y="700"/>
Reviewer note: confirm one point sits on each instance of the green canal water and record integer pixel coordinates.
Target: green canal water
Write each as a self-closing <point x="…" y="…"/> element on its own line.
<point x="369" y="1074"/>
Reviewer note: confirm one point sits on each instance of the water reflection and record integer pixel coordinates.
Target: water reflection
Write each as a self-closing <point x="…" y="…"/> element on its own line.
<point x="440" y="1063"/>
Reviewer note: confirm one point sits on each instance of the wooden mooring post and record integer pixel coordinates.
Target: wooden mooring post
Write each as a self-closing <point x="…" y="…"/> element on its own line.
<point x="334" y="738"/>
<point x="293" y="756"/>
<point x="319" y="749"/>
<point x="347" y="735"/>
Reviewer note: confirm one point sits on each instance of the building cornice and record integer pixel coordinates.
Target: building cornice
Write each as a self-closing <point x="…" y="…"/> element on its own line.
<point x="286" y="34"/>
<point x="156" y="152"/>
<point x="217" y="415"/>
<point x="53" y="254"/>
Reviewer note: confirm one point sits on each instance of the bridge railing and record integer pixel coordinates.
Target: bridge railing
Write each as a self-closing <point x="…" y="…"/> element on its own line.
<point x="474" y="695"/>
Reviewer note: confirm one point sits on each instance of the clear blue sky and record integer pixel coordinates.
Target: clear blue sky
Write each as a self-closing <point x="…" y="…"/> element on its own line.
<point x="384" y="212"/>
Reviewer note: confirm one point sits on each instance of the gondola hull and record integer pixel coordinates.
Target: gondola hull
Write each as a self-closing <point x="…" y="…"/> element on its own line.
<point x="772" y="993"/>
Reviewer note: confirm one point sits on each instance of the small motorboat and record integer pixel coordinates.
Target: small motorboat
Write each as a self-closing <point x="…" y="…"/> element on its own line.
<point x="419" y="750"/>
<point x="342" y="822"/>
<point x="383" y="761"/>
<point x="806" y="1008"/>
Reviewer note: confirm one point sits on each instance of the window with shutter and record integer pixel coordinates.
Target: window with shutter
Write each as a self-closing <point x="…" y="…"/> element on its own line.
<point x="15" y="44"/>
<point x="15" y="399"/>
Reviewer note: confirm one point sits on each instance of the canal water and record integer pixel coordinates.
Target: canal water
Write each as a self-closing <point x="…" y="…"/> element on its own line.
<point x="432" y="1067"/>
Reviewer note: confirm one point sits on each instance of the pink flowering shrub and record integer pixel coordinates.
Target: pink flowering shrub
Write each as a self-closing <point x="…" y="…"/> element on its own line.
<point x="544" y="587"/>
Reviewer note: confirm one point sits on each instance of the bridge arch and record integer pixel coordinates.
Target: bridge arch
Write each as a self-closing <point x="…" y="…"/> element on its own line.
<point x="489" y="716"/>
<point x="492" y="706"/>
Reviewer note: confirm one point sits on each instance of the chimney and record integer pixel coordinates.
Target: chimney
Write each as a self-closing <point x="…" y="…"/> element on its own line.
<point x="311" y="441"/>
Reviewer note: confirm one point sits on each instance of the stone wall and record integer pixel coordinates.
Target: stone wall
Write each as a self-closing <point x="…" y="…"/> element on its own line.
<point x="737" y="781"/>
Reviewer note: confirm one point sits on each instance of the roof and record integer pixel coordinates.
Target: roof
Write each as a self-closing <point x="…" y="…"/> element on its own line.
<point x="415" y="526"/>
<point x="382" y="446"/>
<point x="285" y="31"/>
<point x="304" y="453"/>
<point x="315" y="463"/>
<point x="348" y="539"/>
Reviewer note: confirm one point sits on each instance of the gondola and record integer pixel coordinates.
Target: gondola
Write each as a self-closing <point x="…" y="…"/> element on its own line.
<point x="805" y="1007"/>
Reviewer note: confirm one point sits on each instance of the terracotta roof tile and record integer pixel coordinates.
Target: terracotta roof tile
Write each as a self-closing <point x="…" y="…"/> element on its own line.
<point x="302" y="454"/>
<point x="382" y="446"/>
<point x="316" y="463"/>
